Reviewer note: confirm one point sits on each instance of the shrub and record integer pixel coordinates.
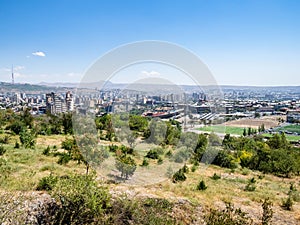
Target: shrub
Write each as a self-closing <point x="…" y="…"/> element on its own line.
<point x="293" y="193"/>
<point x="185" y="168"/>
<point x="160" y="160"/>
<point x="4" y="140"/>
<point x="179" y="176"/>
<point x="17" y="145"/>
<point x="169" y="153"/>
<point x="152" y="154"/>
<point x="215" y="177"/>
<point x="64" y="158"/>
<point x="201" y="186"/>
<point x="194" y="168"/>
<point x="142" y="211"/>
<point x="81" y="200"/>
<point x="126" y="165"/>
<point x="2" y="150"/>
<point x="47" y="183"/>
<point x="251" y="185"/>
<point x="228" y="216"/>
<point x="46" y="151"/>
<point x="145" y="162"/>
<point x="27" y="138"/>
<point x="267" y="211"/>
<point x="113" y="148"/>
<point x="287" y="203"/>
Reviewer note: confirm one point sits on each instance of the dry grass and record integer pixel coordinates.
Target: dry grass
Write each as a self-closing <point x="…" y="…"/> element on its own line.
<point x="268" y="121"/>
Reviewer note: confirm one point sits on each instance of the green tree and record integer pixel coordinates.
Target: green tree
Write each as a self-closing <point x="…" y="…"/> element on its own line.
<point x="201" y="186"/>
<point x="214" y="139"/>
<point x="244" y="132"/>
<point x="126" y="165"/>
<point x="27" y="118"/>
<point x="27" y="138"/>
<point x="67" y="123"/>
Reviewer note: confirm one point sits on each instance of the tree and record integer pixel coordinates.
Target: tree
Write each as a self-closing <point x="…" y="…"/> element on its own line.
<point x="27" y="118"/>
<point x="126" y="165"/>
<point x="138" y="123"/>
<point x="131" y="138"/>
<point x="67" y="123"/>
<point x="201" y="186"/>
<point x="157" y="129"/>
<point x="229" y="142"/>
<point x="267" y="211"/>
<point x="244" y="132"/>
<point x="214" y="139"/>
<point x="16" y="126"/>
<point x="27" y="138"/>
<point x="278" y="141"/>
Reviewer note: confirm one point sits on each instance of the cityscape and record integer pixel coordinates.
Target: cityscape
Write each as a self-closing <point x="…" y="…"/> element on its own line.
<point x="149" y="112"/>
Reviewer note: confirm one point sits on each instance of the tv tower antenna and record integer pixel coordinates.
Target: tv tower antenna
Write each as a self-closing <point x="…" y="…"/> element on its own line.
<point x="12" y="75"/>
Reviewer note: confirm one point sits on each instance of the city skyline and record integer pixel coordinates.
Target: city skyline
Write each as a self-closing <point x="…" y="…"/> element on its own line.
<point x="251" y="43"/>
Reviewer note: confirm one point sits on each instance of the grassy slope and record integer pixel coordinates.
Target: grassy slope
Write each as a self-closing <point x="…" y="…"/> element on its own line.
<point x="28" y="166"/>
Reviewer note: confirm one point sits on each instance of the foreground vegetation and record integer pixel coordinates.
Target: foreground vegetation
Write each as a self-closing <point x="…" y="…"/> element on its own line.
<point x="246" y="172"/>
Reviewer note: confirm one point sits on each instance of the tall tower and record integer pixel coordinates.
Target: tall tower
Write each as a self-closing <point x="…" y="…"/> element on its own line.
<point x="12" y="75"/>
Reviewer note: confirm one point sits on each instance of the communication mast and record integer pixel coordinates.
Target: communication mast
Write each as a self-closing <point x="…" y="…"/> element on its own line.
<point x="12" y="75"/>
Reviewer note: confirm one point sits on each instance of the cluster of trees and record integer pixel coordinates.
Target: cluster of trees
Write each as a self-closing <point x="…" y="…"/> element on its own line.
<point x="275" y="155"/>
<point x="44" y="125"/>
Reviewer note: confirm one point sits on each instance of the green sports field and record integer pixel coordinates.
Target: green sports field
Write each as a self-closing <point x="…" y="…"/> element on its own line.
<point x="290" y="128"/>
<point x="288" y="137"/>
<point x="223" y="129"/>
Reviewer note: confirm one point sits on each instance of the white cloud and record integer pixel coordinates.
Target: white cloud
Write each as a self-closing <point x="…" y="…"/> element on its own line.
<point x="72" y="74"/>
<point x="152" y="73"/>
<point x="39" y="53"/>
<point x="18" y="68"/>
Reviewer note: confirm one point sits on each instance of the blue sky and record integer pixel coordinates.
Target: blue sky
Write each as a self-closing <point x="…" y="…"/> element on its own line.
<point x="242" y="42"/>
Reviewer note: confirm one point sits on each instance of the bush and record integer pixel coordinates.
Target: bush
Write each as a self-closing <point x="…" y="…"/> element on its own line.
<point x="288" y="203"/>
<point x="293" y="193"/>
<point x="179" y="176"/>
<point x="215" y="177"/>
<point x="4" y="140"/>
<point x="46" y="151"/>
<point x="64" y="158"/>
<point x="185" y="168"/>
<point x="17" y="145"/>
<point x="228" y="216"/>
<point x="267" y="211"/>
<point x="145" y="162"/>
<point x="201" y="186"/>
<point x="27" y="138"/>
<point x="142" y="211"/>
<point x="194" y="168"/>
<point x="47" y="183"/>
<point x="251" y="185"/>
<point x="160" y="160"/>
<point x="2" y="150"/>
<point x="81" y="200"/>
<point x="5" y="169"/>
<point x="152" y="154"/>
<point x="126" y="165"/>
<point x="113" y="148"/>
<point x="169" y="153"/>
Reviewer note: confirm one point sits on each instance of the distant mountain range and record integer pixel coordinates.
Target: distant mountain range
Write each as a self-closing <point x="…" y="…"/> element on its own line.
<point x="59" y="86"/>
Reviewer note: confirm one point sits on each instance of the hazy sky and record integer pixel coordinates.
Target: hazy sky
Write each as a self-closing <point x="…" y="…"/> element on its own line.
<point x="242" y="42"/>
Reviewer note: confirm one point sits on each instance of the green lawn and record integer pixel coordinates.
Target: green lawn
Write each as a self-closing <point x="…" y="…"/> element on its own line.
<point x="291" y="128"/>
<point x="223" y="129"/>
<point x="288" y="137"/>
